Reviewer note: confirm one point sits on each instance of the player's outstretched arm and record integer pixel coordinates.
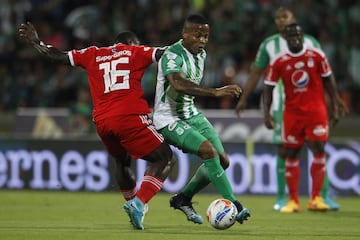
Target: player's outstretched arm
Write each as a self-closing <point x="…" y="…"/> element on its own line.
<point x="179" y="82"/>
<point x="251" y="83"/>
<point x="28" y="34"/>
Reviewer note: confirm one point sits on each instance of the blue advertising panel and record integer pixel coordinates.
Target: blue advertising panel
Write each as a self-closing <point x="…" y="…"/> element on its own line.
<point x="84" y="165"/>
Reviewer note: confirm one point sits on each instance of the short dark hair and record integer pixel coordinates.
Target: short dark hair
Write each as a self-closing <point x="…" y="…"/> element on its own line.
<point x="126" y="37"/>
<point x="197" y="19"/>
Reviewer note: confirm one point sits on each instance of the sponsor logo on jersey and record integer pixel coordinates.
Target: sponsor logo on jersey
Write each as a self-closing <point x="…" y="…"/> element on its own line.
<point x="300" y="78"/>
<point x="115" y="55"/>
<point x="113" y="50"/>
<point x="320" y="130"/>
<point x="299" y="65"/>
<point x="146" y="49"/>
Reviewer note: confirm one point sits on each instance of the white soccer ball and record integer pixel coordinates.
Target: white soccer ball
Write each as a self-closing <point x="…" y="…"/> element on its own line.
<point x="221" y="214"/>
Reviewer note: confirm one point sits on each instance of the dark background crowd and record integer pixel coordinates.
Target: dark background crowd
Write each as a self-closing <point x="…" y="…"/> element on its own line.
<point x="237" y="28"/>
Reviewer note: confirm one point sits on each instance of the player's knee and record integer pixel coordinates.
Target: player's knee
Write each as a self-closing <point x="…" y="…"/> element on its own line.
<point x="207" y="150"/>
<point x="165" y="155"/>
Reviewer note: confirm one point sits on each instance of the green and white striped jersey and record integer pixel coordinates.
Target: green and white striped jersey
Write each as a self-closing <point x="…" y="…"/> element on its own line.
<point x="171" y="105"/>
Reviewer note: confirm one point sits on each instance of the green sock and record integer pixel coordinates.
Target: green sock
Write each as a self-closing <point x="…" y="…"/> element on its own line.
<point x="281" y="180"/>
<point x="198" y="182"/>
<point x="326" y="186"/>
<point x="219" y="178"/>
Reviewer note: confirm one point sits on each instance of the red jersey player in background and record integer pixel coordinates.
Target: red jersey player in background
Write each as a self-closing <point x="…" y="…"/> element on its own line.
<point x="306" y="77"/>
<point x="120" y="113"/>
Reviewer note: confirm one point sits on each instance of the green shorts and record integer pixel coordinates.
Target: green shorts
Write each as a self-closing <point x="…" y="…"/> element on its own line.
<point x="189" y="134"/>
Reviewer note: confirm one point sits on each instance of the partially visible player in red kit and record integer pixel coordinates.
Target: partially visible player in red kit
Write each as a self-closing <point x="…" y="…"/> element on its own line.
<point x="120" y="112"/>
<point x="307" y="76"/>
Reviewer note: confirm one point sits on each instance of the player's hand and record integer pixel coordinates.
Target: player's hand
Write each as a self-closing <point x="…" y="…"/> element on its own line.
<point x="28" y="33"/>
<point x="228" y="90"/>
<point x="339" y="110"/>
<point x="342" y="107"/>
<point x="241" y="105"/>
<point x="269" y="121"/>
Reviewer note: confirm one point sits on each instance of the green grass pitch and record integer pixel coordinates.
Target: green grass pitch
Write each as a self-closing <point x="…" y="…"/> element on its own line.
<point x="46" y="215"/>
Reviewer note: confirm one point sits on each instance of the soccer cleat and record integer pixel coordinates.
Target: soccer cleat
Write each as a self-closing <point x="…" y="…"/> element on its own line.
<point x="136" y="211"/>
<point x="317" y="204"/>
<point x="290" y="207"/>
<point x="243" y="215"/>
<point x="127" y="210"/>
<point x="279" y="204"/>
<point x="183" y="204"/>
<point x="333" y="206"/>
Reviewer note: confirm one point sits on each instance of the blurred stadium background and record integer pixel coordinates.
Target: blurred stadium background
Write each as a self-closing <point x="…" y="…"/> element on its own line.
<point x="47" y="139"/>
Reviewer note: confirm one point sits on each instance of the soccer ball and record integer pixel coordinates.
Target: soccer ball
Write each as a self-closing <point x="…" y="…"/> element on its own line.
<point x="221" y="214"/>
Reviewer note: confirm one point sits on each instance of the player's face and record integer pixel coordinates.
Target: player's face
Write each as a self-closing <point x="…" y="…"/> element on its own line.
<point x="294" y="37"/>
<point x="195" y="37"/>
<point x="283" y="17"/>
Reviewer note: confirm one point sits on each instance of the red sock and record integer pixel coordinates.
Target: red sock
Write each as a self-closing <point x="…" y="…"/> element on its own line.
<point x="317" y="174"/>
<point x="150" y="186"/>
<point x="292" y="172"/>
<point x="128" y="193"/>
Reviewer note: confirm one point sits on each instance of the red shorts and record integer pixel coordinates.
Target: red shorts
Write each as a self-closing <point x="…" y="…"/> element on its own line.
<point x="134" y="134"/>
<point x="297" y="127"/>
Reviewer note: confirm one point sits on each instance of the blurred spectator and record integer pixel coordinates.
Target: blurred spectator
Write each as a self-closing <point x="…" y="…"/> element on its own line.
<point x="80" y="120"/>
<point x="354" y="71"/>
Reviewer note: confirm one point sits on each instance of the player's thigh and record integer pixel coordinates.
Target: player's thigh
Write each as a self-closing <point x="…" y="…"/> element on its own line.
<point x="205" y="128"/>
<point x="293" y="130"/>
<point x="180" y="134"/>
<point x="133" y="133"/>
<point x="317" y="128"/>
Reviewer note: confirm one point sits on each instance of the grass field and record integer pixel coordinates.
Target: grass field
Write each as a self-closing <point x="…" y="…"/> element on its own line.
<point x="28" y="215"/>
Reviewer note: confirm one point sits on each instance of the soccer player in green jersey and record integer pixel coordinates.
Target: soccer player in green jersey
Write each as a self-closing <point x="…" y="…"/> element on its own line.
<point x="180" y="71"/>
<point x="268" y="49"/>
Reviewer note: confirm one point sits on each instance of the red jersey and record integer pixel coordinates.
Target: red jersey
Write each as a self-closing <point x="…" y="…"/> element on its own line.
<point x="114" y="75"/>
<point x="301" y="74"/>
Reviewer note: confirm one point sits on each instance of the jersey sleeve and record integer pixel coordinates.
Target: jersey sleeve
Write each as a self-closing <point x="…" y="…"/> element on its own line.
<point x="147" y="53"/>
<point x="262" y="57"/>
<point x="171" y="62"/>
<point x="81" y="57"/>
<point x="272" y="75"/>
<point x="325" y="69"/>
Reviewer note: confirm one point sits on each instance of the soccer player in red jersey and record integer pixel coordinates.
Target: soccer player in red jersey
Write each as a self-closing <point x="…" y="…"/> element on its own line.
<point x="306" y="76"/>
<point x="120" y="112"/>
